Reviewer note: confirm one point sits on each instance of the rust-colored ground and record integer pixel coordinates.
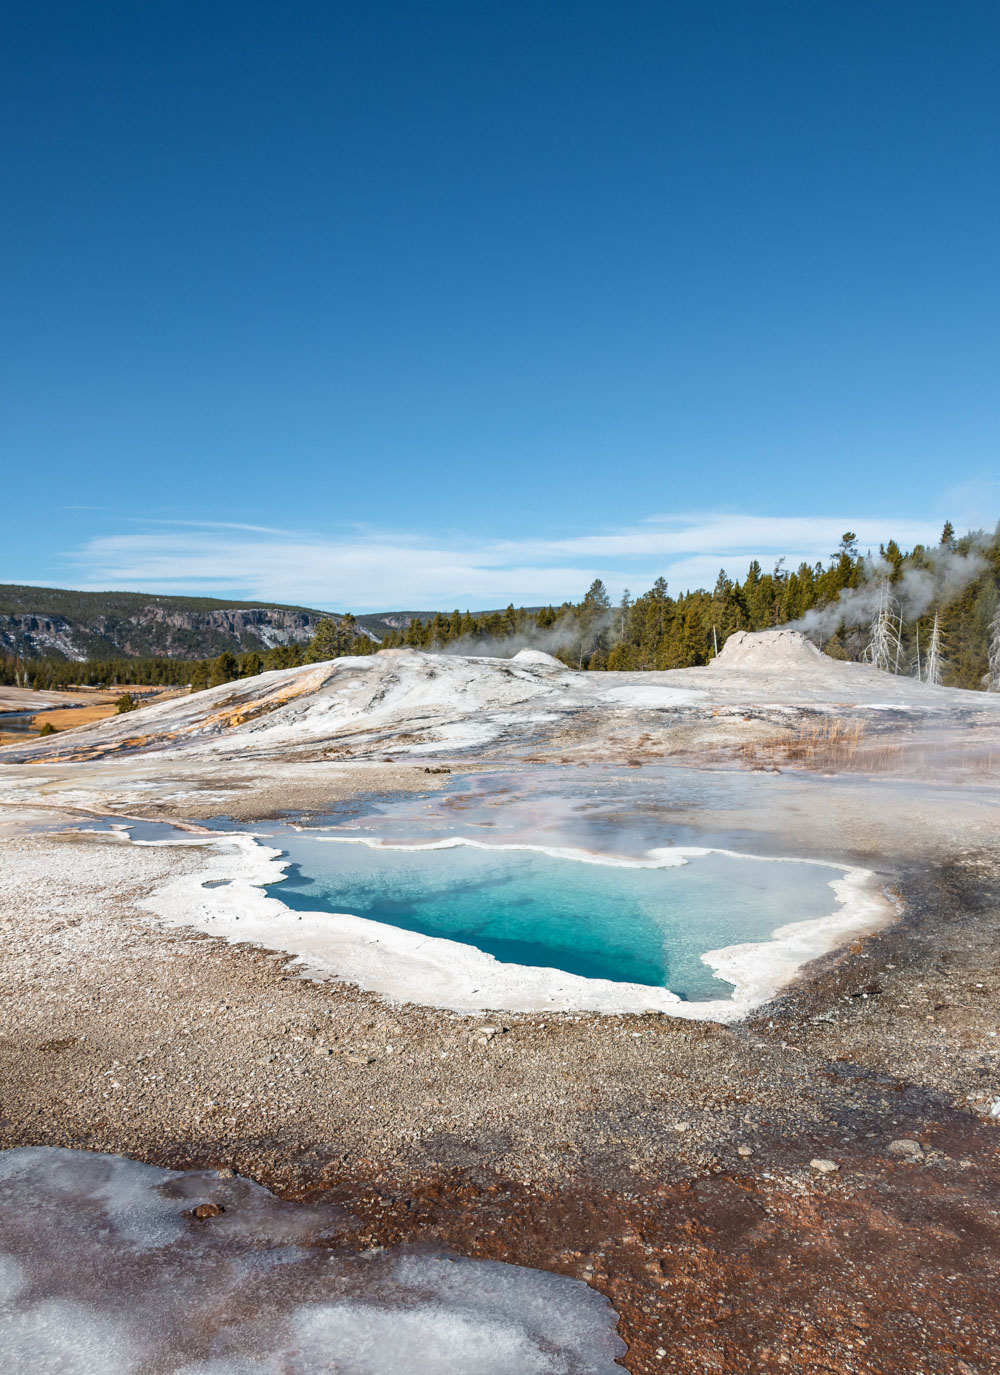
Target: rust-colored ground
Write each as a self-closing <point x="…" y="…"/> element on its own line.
<point x="558" y="1143"/>
<point x="897" y="1275"/>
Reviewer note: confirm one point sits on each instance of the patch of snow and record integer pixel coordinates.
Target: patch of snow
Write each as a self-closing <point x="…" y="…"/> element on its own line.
<point x="104" y="1269"/>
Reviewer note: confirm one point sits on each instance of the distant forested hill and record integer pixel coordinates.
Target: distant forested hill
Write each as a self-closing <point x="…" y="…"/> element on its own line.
<point x="49" y="622"/>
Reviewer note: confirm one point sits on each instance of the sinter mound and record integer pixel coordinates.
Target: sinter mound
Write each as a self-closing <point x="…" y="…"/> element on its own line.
<point x="768" y="651"/>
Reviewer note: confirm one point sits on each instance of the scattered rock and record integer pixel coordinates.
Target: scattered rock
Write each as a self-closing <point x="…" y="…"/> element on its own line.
<point x="205" y="1210"/>
<point x="682" y="1126"/>
<point x="744" y="1150"/>
<point x="824" y="1166"/>
<point x="905" y="1146"/>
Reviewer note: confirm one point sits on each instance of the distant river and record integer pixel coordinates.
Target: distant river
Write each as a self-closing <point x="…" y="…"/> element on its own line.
<point x="18" y="721"/>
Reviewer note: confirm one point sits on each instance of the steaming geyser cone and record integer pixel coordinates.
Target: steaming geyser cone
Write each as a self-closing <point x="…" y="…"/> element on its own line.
<point x="769" y="651"/>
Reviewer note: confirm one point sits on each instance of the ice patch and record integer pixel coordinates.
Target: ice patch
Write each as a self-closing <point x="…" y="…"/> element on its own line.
<point x="105" y="1270"/>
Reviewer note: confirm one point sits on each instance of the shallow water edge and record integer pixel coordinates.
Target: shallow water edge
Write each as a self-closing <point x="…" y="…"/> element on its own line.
<point x="228" y="899"/>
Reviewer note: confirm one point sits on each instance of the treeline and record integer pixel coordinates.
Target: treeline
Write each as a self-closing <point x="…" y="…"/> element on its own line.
<point x="333" y="639"/>
<point x="22" y="599"/>
<point x="52" y="674"/>
<point x="660" y="631"/>
<point x="946" y="594"/>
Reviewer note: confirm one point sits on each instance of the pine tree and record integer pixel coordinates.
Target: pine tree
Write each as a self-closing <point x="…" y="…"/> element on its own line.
<point x="597" y="596"/>
<point x="224" y="669"/>
<point x="415" y="634"/>
<point x="894" y="556"/>
<point x="283" y="656"/>
<point x="621" y="658"/>
<point x="332" y="640"/>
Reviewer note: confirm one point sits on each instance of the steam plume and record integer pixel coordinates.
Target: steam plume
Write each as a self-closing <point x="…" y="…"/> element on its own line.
<point x="915" y="592"/>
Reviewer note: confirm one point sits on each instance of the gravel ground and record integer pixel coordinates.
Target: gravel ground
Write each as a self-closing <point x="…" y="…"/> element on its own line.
<point x="667" y="1162"/>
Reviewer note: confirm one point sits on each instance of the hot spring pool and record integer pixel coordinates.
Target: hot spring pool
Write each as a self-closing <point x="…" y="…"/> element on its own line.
<point x="627" y="922"/>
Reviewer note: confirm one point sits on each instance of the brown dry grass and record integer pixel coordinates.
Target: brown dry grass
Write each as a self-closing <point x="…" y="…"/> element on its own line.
<point x="96" y="704"/>
<point x="65" y="718"/>
<point x="841" y="746"/>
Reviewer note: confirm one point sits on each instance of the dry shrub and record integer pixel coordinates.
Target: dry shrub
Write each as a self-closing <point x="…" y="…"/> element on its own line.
<point x="840" y="746"/>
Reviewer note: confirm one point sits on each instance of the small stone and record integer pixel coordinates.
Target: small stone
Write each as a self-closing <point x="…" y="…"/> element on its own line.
<point x="824" y="1166"/>
<point x="905" y="1146"/>
<point x="682" y="1126"/>
<point x="226" y="1174"/>
<point x="205" y="1210"/>
<point x="744" y="1150"/>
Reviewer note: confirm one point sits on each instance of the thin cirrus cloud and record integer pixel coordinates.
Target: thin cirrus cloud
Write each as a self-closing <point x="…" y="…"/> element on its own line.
<point x="379" y="570"/>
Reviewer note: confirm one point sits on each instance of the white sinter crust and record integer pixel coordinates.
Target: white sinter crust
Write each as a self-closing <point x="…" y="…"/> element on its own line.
<point x="407" y="966"/>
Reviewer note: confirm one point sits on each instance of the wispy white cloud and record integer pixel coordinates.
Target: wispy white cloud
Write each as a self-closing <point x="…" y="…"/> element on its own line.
<point x="365" y="569"/>
<point x="210" y="525"/>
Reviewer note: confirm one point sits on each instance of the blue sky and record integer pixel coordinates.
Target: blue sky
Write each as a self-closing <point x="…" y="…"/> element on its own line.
<point x="368" y="305"/>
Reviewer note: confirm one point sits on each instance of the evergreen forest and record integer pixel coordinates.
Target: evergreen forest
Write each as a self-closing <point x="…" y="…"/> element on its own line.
<point x="941" y="604"/>
<point x="955" y="584"/>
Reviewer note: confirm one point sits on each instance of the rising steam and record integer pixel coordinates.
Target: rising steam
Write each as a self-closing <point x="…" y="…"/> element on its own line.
<point x="915" y="592"/>
<point x="573" y="635"/>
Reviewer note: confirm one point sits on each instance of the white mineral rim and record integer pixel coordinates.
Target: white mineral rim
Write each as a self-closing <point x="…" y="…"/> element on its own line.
<point x="407" y="966"/>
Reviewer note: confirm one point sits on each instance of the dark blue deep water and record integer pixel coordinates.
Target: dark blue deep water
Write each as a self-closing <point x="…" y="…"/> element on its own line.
<point x="635" y="925"/>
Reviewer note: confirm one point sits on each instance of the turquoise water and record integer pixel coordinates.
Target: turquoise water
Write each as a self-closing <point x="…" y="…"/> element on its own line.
<point x="645" y="926"/>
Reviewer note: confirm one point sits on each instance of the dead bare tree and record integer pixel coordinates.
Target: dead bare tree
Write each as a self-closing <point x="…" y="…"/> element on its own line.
<point x="992" y="679"/>
<point x="885" y="640"/>
<point x="935" y="655"/>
